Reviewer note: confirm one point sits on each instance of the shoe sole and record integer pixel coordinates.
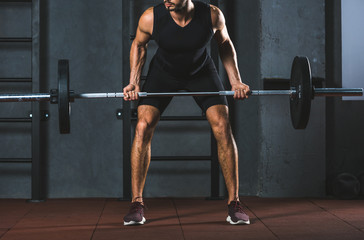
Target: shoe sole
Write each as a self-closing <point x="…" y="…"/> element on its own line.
<point x="135" y="223"/>
<point x="240" y="222"/>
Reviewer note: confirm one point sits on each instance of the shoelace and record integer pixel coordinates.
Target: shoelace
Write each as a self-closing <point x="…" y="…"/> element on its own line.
<point x="238" y="207"/>
<point x="136" y="207"/>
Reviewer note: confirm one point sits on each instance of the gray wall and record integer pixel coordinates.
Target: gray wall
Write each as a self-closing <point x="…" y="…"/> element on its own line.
<point x="344" y="141"/>
<point x="86" y="162"/>
<point x="275" y="160"/>
<point x="292" y="162"/>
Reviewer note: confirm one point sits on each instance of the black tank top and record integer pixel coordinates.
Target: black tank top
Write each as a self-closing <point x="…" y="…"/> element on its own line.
<point x="182" y="50"/>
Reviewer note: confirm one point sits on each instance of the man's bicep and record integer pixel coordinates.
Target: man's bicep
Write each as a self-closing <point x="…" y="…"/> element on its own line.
<point x="221" y="36"/>
<point x="142" y="37"/>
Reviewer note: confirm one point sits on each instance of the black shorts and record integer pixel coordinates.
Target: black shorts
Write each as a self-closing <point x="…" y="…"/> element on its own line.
<point x="206" y="80"/>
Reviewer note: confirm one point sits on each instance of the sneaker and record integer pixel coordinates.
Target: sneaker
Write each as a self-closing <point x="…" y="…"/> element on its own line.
<point x="236" y="214"/>
<point x="135" y="215"/>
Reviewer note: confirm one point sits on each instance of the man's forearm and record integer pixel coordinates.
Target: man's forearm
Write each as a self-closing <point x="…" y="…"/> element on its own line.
<point x="138" y="55"/>
<point x="228" y="57"/>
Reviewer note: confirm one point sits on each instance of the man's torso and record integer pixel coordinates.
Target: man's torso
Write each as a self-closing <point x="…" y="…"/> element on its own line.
<point x="182" y="50"/>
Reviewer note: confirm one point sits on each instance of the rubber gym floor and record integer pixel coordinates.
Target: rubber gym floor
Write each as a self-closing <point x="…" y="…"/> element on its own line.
<point x="190" y="218"/>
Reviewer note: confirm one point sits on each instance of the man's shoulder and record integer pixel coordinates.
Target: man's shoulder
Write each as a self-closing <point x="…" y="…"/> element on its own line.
<point x="148" y="14"/>
<point x="217" y="17"/>
<point x="146" y="21"/>
<point x="215" y="10"/>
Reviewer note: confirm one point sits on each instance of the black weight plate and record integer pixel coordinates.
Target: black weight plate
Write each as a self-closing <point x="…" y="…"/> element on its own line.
<point x="63" y="96"/>
<point x="301" y="81"/>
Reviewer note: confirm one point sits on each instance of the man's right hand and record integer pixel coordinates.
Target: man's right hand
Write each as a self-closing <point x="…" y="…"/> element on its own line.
<point x="131" y="92"/>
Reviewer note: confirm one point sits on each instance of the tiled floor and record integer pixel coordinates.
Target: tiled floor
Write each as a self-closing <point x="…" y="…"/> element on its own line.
<point x="101" y="219"/>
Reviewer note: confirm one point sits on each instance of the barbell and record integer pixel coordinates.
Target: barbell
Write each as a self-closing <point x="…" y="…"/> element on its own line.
<point x="301" y="93"/>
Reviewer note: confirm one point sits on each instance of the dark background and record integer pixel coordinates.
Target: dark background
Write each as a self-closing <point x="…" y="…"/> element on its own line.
<point x="275" y="160"/>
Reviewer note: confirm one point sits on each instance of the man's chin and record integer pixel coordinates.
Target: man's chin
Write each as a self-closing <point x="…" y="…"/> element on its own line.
<point x="171" y="9"/>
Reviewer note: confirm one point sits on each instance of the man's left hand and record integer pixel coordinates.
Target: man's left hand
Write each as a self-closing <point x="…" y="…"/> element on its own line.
<point x="242" y="91"/>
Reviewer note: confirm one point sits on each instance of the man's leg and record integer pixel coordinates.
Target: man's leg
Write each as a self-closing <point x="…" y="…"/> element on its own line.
<point x="218" y="117"/>
<point x="148" y="117"/>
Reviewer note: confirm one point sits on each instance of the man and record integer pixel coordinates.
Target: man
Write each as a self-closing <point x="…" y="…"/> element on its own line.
<point x="182" y="29"/>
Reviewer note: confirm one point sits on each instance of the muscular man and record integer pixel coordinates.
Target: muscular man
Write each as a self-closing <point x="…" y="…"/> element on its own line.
<point x="182" y="29"/>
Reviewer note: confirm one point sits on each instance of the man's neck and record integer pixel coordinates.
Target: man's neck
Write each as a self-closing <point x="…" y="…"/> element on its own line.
<point x="184" y="15"/>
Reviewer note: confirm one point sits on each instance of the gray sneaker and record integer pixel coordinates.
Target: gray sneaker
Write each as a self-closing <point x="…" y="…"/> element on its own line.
<point x="236" y="214"/>
<point x="135" y="215"/>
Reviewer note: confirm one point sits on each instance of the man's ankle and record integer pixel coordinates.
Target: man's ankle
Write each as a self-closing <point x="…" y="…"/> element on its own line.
<point x="236" y="199"/>
<point x="138" y="199"/>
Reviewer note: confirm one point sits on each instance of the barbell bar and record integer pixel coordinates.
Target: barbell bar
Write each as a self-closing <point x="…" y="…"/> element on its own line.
<point x="39" y="97"/>
<point x="44" y="97"/>
<point x="301" y="93"/>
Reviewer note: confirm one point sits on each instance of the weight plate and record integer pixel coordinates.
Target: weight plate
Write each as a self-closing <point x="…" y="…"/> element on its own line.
<point x="301" y="81"/>
<point x="63" y="97"/>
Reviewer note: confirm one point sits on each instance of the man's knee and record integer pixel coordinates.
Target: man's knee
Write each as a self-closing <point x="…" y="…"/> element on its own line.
<point x="144" y="127"/>
<point x="218" y="117"/>
<point x="221" y="127"/>
<point x="148" y="117"/>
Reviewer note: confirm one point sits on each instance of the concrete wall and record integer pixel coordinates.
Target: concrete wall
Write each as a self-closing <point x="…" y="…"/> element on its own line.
<point x="275" y="159"/>
<point x="292" y="161"/>
<point x="86" y="162"/>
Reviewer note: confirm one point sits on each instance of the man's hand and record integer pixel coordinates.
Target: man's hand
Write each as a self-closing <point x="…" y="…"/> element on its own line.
<point x="242" y="91"/>
<point x="131" y="92"/>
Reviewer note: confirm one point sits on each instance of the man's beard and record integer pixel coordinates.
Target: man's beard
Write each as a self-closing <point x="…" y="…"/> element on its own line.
<point x="172" y="8"/>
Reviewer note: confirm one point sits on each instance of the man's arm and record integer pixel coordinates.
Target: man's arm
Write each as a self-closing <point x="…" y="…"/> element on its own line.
<point x="227" y="53"/>
<point x="138" y="54"/>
